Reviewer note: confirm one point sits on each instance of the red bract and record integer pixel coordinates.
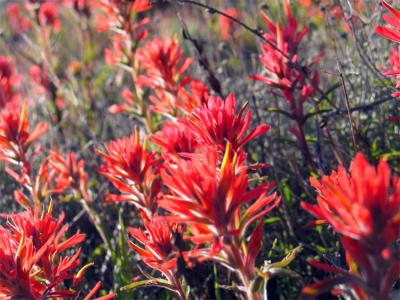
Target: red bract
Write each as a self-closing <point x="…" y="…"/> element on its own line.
<point x="69" y="172"/>
<point x="226" y="25"/>
<point x="394" y="61"/>
<point x="182" y="100"/>
<point x="159" y="253"/>
<point x="18" y="23"/>
<point x="391" y="33"/>
<point x="15" y="134"/>
<point x="279" y="58"/>
<point x="48" y="15"/>
<point x="174" y="138"/>
<point x="217" y="123"/>
<point x="286" y="73"/>
<point x="360" y="204"/>
<point x="364" y="207"/>
<point x="30" y="252"/>
<point x="133" y="170"/>
<point x="39" y="78"/>
<point x="115" y="53"/>
<point x="119" y="14"/>
<point x="208" y="195"/>
<point x="8" y="82"/>
<point x="288" y="37"/>
<point x="164" y="65"/>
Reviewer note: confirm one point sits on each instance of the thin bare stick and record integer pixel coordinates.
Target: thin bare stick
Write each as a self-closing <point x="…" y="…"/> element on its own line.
<point x="346" y="96"/>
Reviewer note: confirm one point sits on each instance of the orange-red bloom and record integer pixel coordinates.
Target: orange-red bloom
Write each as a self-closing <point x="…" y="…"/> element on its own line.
<point x="30" y="249"/>
<point x="174" y="138"/>
<point x="48" y="15"/>
<point x="280" y="59"/>
<point x="69" y="172"/>
<point x="217" y="123"/>
<point x="159" y="251"/>
<point x="394" y="70"/>
<point x="393" y="19"/>
<point x="8" y="82"/>
<point x="361" y="204"/>
<point x="392" y="34"/>
<point x="118" y="14"/>
<point x="15" y="134"/>
<point x="164" y="63"/>
<point x="133" y="170"/>
<point x="18" y="23"/>
<point x="208" y="195"/>
<point x="364" y="207"/>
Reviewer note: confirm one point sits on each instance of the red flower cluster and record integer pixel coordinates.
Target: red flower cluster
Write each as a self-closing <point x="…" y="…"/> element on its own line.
<point x="18" y="23"/>
<point x="216" y="123"/>
<point x="32" y="244"/>
<point x="70" y="173"/>
<point x="15" y="134"/>
<point x="9" y="82"/>
<point x="165" y="69"/>
<point x="175" y="139"/>
<point x="203" y="188"/>
<point x="280" y="57"/>
<point x="284" y="71"/>
<point x="392" y="33"/>
<point x="133" y="170"/>
<point x="49" y="15"/>
<point x="364" y="208"/>
<point x="208" y="195"/>
<point x="30" y="255"/>
<point x="122" y="17"/>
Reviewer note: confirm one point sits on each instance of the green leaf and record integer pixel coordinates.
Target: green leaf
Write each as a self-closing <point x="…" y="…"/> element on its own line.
<point x="272" y="220"/>
<point x="148" y="282"/>
<point x="287" y="260"/>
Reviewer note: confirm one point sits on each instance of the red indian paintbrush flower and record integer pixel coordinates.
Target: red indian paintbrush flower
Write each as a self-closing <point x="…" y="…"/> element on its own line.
<point x="165" y="69"/>
<point x="159" y="250"/>
<point x="279" y="61"/>
<point x="394" y="70"/>
<point x="15" y="134"/>
<point x="18" y="23"/>
<point x="118" y="14"/>
<point x="364" y="207"/>
<point x="30" y="252"/>
<point x="217" y="123"/>
<point x="360" y="204"/>
<point x="164" y="65"/>
<point x="208" y="195"/>
<point x="133" y="170"/>
<point x="159" y="253"/>
<point x="183" y="99"/>
<point x="226" y="25"/>
<point x="69" y="172"/>
<point x="49" y="16"/>
<point x="8" y="83"/>
<point x="174" y="138"/>
<point x="285" y="72"/>
<point x="391" y="33"/>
